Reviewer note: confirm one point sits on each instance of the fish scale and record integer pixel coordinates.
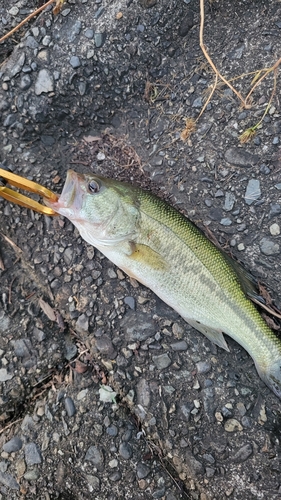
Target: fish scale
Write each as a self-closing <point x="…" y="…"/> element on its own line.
<point x="157" y="245"/>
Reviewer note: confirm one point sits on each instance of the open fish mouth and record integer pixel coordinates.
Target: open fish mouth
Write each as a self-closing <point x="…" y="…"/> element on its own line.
<point x="70" y="201"/>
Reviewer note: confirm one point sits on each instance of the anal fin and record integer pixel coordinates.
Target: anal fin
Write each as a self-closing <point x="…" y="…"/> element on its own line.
<point x="213" y="335"/>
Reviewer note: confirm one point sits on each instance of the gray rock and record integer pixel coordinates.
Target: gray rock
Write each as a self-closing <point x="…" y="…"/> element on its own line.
<point x="44" y="82"/>
<point x="162" y="361"/>
<point x="264" y="169"/>
<point x="75" y="62"/>
<point x="130" y="301"/>
<point x="139" y="328"/>
<point x="125" y="450"/>
<point x="143" y="393"/>
<point x="18" y="65"/>
<point x="142" y="470"/>
<point x="269" y="247"/>
<point x="203" y="367"/>
<point x="195" y="467"/>
<point x="237" y="53"/>
<point x="159" y="493"/>
<point x="179" y="346"/>
<point x="275" y="209"/>
<point x="89" y="33"/>
<point x="31" y="42"/>
<point x="229" y="201"/>
<point x="197" y="103"/>
<point x="74" y="30"/>
<point x="240" y="158"/>
<point x="115" y="476"/>
<point x="68" y="255"/>
<point x="9" y="481"/>
<point x="243" y="453"/>
<point x="226" y="221"/>
<point x="95" y="455"/>
<point x="99" y="39"/>
<point x="10" y="120"/>
<point x="185" y="409"/>
<point x="93" y="481"/>
<point x="22" y="348"/>
<point x="253" y="191"/>
<point x="46" y="40"/>
<point x="186" y="23"/>
<point x="112" y="430"/>
<point x="82" y="323"/>
<point x="70" y="349"/>
<point x="4" y="375"/>
<point x="99" y="12"/>
<point x="32" y="454"/>
<point x="4" y="322"/>
<point x="15" y="444"/>
<point x="25" y="82"/>
<point x="105" y="346"/>
<point x="69" y="406"/>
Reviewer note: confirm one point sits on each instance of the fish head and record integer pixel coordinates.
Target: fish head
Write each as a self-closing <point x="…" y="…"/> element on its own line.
<point x="104" y="211"/>
<point x="271" y="376"/>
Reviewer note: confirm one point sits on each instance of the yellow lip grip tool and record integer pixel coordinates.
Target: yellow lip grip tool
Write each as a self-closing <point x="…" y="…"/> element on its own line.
<point x="27" y="185"/>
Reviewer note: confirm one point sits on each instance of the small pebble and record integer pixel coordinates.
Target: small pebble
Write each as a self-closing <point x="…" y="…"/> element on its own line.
<point x="232" y="425"/>
<point x="95" y="455"/>
<point x="253" y="191"/>
<point x="226" y="221"/>
<point x="75" y="62"/>
<point x="229" y="201"/>
<point x="130" y="301"/>
<point x="99" y="39"/>
<point x="269" y="247"/>
<point x="125" y="450"/>
<point x="241" y="247"/>
<point x="89" y="33"/>
<point x="274" y="229"/>
<point x="142" y="470"/>
<point x="69" y="406"/>
<point x="203" y="367"/>
<point x="162" y="361"/>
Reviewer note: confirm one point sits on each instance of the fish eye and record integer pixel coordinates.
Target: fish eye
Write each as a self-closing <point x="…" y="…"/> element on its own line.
<point x="93" y="187"/>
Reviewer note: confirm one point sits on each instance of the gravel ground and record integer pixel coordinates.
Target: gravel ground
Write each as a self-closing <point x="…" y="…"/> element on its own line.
<point x="106" y="392"/>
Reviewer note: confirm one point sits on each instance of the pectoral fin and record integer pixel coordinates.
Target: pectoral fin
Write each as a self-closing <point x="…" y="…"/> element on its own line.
<point x="144" y="254"/>
<point x="213" y="335"/>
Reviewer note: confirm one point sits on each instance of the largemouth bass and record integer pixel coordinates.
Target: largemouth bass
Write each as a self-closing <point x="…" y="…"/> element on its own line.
<point x="155" y="244"/>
